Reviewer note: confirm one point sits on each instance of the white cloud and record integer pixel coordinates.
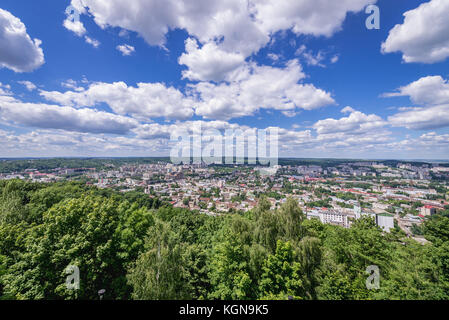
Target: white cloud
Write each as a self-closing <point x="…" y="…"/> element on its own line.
<point x="429" y="90"/>
<point x="432" y="139"/>
<point x="432" y="94"/>
<point x="28" y="84"/>
<point x="430" y="144"/>
<point x="356" y="123"/>
<point x="150" y="140"/>
<point x="314" y="60"/>
<point x="290" y="114"/>
<point x="274" y="57"/>
<point x="93" y="42"/>
<point x="72" y="21"/>
<point x="286" y="138"/>
<point x="65" y="118"/>
<point x="235" y="26"/>
<point x="356" y="134"/>
<point x="126" y="49"/>
<point x="146" y="101"/>
<point x="53" y="143"/>
<point x="348" y="109"/>
<point x="353" y="142"/>
<point x="76" y="27"/>
<point x="163" y="131"/>
<point x="259" y="87"/>
<point x="72" y="84"/>
<point x="209" y="63"/>
<point x="5" y="89"/>
<point x="253" y="87"/>
<point x="423" y="36"/>
<point x="18" y="51"/>
<point x="205" y="19"/>
<point x="422" y="118"/>
<point x="315" y="17"/>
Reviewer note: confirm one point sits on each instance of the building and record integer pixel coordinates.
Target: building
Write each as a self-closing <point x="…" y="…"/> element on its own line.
<point x="331" y="217"/>
<point x="428" y="211"/>
<point x="386" y="222"/>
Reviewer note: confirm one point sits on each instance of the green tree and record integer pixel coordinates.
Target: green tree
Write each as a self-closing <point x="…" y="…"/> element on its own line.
<point x="229" y="271"/>
<point x="159" y="273"/>
<point x="281" y="275"/>
<point x="90" y="232"/>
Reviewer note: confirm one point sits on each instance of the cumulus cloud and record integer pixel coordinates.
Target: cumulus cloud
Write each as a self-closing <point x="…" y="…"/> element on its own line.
<point x="434" y="139"/>
<point x="314" y="60"/>
<point x="259" y="87"/>
<point x="348" y="109"/>
<point x="18" y="51"/>
<point x="66" y="118"/>
<point x="5" y="89"/>
<point x="430" y="144"/>
<point x="422" y="118"/>
<point x="50" y="143"/>
<point x="205" y="19"/>
<point x="208" y="63"/>
<point x="72" y="21"/>
<point x="252" y="88"/>
<point x="287" y="139"/>
<point x="42" y="142"/>
<point x="316" y="17"/>
<point x="74" y="24"/>
<point x="93" y="42"/>
<point x="220" y="23"/>
<point x="429" y="90"/>
<point x="76" y="27"/>
<point x="310" y="58"/>
<point x="432" y="94"/>
<point x="72" y="84"/>
<point x="126" y="49"/>
<point x="150" y="139"/>
<point x="164" y="131"/>
<point x="28" y="84"/>
<point x="358" y="133"/>
<point x="423" y="36"/>
<point x="357" y="122"/>
<point x="146" y="101"/>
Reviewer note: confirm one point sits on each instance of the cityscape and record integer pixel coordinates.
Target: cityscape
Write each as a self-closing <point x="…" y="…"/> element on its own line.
<point x="221" y="158"/>
<point x="396" y="194"/>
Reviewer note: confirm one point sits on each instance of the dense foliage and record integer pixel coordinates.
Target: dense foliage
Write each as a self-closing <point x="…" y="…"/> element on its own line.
<point x="135" y="247"/>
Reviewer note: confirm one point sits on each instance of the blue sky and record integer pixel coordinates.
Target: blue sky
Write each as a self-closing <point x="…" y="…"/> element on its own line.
<point x="124" y="77"/>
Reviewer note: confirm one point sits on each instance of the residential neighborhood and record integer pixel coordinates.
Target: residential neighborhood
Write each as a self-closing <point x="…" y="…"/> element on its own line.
<point x="401" y="195"/>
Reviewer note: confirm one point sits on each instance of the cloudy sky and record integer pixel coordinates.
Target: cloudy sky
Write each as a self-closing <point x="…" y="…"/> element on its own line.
<point x="116" y="78"/>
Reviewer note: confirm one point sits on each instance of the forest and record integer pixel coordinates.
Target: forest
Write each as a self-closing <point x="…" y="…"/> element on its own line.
<point x="136" y="247"/>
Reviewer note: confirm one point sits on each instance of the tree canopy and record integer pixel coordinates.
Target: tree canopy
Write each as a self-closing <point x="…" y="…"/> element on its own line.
<point x="136" y="247"/>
